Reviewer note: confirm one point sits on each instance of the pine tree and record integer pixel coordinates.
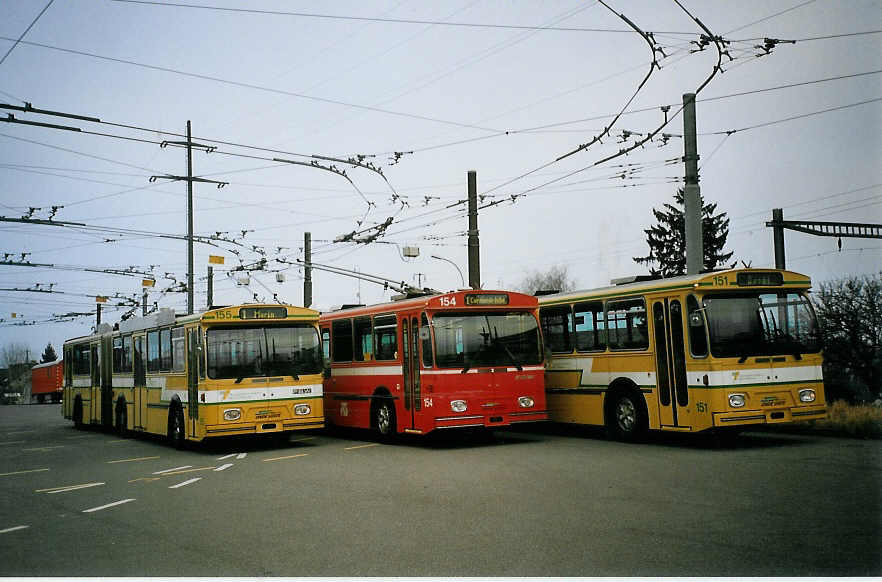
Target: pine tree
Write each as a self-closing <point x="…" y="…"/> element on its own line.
<point x="49" y="354"/>
<point x="667" y="239"/>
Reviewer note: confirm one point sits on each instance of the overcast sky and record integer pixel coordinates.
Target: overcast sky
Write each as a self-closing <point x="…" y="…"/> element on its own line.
<point x="503" y="88"/>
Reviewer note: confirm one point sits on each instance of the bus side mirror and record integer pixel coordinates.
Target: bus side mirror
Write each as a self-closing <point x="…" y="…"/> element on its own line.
<point x="695" y="319"/>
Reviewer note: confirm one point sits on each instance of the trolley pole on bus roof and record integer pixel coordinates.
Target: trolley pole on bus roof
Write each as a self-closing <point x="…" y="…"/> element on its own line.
<point x="692" y="191"/>
<point x="307" y="269"/>
<point x="474" y="242"/>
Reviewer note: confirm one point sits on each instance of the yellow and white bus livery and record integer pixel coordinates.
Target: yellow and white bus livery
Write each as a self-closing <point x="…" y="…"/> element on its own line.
<point x="240" y="370"/>
<point x="717" y="351"/>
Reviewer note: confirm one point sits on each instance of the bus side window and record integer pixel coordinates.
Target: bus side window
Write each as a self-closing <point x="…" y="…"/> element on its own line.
<point x="385" y="337"/>
<point x="627" y="324"/>
<point x="341" y="349"/>
<point x="178" y="353"/>
<point x="363" y="344"/>
<point x="557" y="327"/>
<point x="426" y="337"/>
<point x="590" y="327"/>
<point x="153" y="351"/>
<point x="697" y="334"/>
<point x="326" y="351"/>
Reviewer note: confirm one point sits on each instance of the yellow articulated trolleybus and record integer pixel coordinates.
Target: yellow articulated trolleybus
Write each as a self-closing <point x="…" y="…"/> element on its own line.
<point x="240" y="370"/>
<point x="717" y="351"/>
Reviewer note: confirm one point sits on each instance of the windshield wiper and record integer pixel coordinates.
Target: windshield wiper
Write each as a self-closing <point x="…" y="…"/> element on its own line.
<point x="505" y="347"/>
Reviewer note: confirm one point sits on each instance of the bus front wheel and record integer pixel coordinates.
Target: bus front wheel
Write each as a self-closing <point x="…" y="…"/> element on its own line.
<point x="626" y="417"/>
<point x="78" y="413"/>
<point x="384" y="418"/>
<point x="122" y="419"/>
<point x="176" y="436"/>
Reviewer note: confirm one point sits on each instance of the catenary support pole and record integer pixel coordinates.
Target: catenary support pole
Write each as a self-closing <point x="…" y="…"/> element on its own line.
<point x="474" y="241"/>
<point x="691" y="190"/>
<point x="307" y="269"/>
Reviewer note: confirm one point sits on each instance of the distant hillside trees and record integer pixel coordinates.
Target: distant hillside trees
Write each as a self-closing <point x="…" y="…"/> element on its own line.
<point x="667" y="239"/>
<point x="850" y="313"/>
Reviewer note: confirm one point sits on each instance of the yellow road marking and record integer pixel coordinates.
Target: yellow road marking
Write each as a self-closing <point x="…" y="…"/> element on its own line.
<point x="23" y="472"/>
<point x="44" y="448"/>
<point x="303" y="439"/>
<point x="188" y="471"/>
<point x="67" y="488"/>
<point x="85" y="436"/>
<point x="288" y="457"/>
<point x="362" y="447"/>
<point x="148" y="479"/>
<point x="131" y="460"/>
<point x="119" y="441"/>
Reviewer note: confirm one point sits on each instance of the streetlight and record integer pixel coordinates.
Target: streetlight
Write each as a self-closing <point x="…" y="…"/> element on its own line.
<point x="461" y="278"/>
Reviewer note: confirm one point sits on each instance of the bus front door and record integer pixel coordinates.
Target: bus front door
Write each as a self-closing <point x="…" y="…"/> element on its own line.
<point x="140" y="390"/>
<point x="411" y="375"/>
<point x="670" y="363"/>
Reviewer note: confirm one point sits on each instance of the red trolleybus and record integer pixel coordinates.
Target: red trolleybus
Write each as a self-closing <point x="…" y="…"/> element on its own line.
<point x="460" y="359"/>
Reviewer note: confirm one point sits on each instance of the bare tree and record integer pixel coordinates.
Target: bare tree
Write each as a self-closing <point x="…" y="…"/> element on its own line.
<point x="556" y="278"/>
<point x="14" y="353"/>
<point x="850" y="311"/>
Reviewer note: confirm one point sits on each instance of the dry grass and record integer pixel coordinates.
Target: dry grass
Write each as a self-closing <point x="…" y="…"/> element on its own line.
<point x="857" y="420"/>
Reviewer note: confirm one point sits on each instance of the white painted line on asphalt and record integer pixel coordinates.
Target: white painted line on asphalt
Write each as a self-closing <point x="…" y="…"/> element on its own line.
<point x="362" y="447"/>
<point x="23" y="472"/>
<point x="16" y="528"/>
<point x="44" y="448"/>
<point x="12" y="443"/>
<point x="301" y="440"/>
<point x="170" y="470"/>
<point x="187" y="482"/>
<point x="226" y="466"/>
<point x="131" y="460"/>
<point x="225" y="457"/>
<point x="67" y="488"/>
<point x="114" y="504"/>
<point x="241" y="455"/>
<point x="82" y="436"/>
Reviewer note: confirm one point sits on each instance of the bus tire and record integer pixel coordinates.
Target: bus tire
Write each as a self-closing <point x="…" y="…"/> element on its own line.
<point x="383" y="417"/>
<point x="78" y="413"/>
<point x="626" y="417"/>
<point x="176" y="427"/>
<point x="122" y="419"/>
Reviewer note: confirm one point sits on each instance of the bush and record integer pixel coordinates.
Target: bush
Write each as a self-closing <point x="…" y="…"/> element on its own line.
<point x="857" y="420"/>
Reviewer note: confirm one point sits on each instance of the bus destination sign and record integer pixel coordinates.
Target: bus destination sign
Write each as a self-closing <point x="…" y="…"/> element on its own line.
<point x="760" y="279"/>
<point x="487" y="299"/>
<point x="263" y="313"/>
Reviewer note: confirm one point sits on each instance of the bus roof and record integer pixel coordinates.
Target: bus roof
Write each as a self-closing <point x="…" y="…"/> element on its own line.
<point x="728" y="279"/>
<point x="233" y="313"/>
<point x="452" y="300"/>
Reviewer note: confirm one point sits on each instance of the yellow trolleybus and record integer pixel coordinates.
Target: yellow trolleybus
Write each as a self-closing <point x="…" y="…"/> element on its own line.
<point x="717" y="351"/>
<point x="239" y="370"/>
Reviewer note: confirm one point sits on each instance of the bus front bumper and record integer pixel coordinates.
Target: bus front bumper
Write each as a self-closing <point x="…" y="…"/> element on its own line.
<point x="770" y="416"/>
<point x="490" y="420"/>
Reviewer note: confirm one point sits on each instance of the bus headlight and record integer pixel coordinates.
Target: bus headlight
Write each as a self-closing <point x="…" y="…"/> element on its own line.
<point x="807" y="395"/>
<point x="232" y="414"/>
<point x="736" y="400"/>
<point x="302" y="409"/>
<point x="458" y="405"/>
<point x="526" y="402"/>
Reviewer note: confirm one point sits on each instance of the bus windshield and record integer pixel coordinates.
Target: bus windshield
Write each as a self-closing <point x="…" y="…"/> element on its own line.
<point x="760" y="324"/>
<point x="473" y="339"/>
<point x="243" y="352"/>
